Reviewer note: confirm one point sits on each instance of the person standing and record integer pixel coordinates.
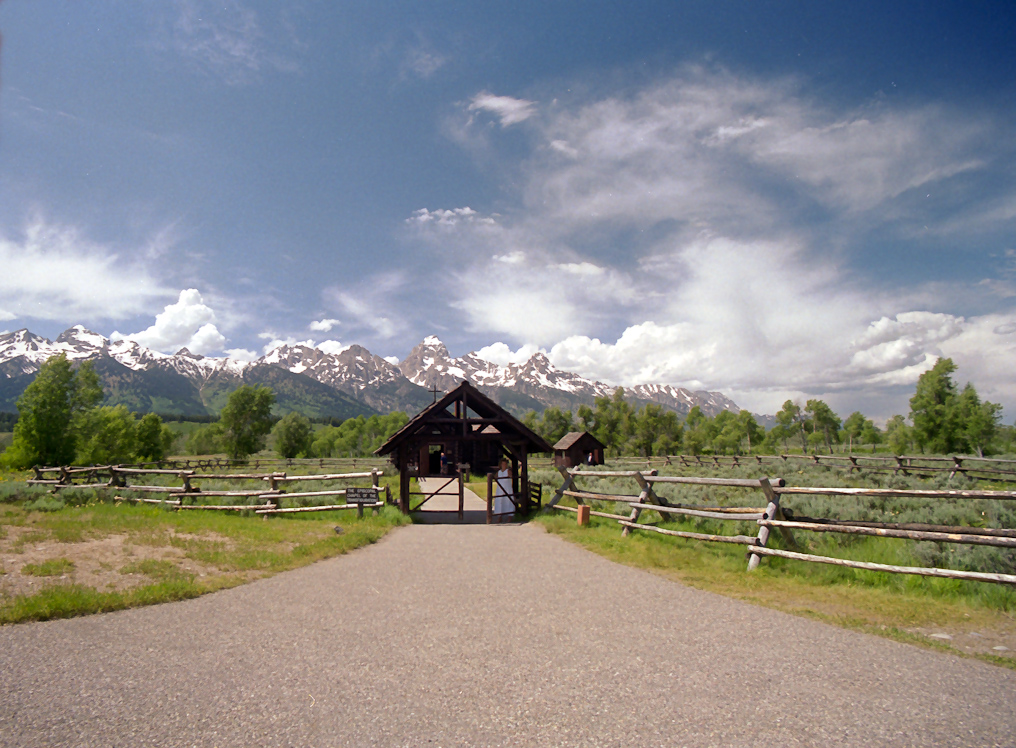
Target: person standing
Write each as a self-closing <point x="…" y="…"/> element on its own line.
<point x="503" y="495"/>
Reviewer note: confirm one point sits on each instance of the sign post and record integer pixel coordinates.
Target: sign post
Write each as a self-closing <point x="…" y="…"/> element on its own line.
<point x="361" y="496"/>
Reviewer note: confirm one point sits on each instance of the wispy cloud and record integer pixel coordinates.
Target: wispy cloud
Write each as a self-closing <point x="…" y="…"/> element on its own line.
<point x="226" y="39"/>
<point x="55" y="272"/>
<point x="509" y="111"/>
<point x="423" y="62"/>
<point x="367" y="307"/>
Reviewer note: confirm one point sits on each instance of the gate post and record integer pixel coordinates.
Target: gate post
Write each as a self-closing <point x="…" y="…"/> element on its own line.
<point x="462" y="493"/>
<point x="490" y="498"/>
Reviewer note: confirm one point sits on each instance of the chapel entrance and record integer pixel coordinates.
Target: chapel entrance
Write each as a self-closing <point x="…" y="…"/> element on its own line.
<point x="474" y="433"/>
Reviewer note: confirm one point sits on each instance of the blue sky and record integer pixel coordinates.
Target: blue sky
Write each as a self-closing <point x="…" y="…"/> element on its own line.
<point x="769" y="199"/>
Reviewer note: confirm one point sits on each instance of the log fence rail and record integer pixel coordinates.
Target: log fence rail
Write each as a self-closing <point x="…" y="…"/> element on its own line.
<point x="976" y="468"/>
<point x="773" y="516"/>
<point x="116" y="477"/>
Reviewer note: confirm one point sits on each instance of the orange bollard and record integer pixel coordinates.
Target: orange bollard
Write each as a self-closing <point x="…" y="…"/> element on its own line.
<point x="583" y="515"/>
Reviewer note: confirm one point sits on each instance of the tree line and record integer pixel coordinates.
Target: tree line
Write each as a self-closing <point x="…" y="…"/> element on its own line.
<point x="60" y="422"/>
<point x="943" y="419"/>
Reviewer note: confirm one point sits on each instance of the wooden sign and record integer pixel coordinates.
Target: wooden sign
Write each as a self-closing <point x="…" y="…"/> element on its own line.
<point x="361" y="495"/>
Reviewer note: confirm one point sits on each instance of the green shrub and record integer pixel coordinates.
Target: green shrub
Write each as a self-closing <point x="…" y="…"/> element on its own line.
<point x="46" y="504"/>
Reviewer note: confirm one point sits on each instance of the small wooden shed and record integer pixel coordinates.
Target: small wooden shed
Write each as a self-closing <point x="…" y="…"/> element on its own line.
<point x="578" y="448"/>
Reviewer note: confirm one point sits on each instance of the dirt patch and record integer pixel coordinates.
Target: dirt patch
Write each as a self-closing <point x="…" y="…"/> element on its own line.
<point x="97" y="563"/>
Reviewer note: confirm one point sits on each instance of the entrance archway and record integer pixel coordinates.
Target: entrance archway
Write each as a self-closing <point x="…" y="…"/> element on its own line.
<point x="474" y="432"/>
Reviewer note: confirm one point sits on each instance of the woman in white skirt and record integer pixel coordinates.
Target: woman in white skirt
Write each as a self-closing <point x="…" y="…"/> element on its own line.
<point x="503" y="494"/>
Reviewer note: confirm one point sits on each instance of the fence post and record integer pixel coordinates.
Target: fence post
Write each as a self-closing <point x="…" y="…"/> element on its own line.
<point x="772" y="509"/>
<point x="644" y="495"/>
<point x="462" y="492"/>
<point x="559" y="494"/>
<point x="374" y="481"/>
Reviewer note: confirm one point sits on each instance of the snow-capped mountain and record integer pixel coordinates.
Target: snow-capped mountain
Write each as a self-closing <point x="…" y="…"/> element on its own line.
<point x="147" y="380"/>
<point x="355" y="371"/>
<point x="349" y="381"/>
<point x="78" y="343"/>
<point x="430" y="365"/>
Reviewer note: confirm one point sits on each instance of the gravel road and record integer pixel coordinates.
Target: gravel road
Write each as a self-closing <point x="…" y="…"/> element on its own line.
<point x="476" y="635"/>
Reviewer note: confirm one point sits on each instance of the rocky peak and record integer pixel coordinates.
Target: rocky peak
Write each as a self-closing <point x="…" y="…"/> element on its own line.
<point x="83" y="340"/>
<point x="430" y="346"/>
<point x="429" y="364"/>
<point x="22" y="339"/>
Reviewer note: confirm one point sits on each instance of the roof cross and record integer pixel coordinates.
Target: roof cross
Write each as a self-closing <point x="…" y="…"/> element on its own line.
<point x="435" y="391"/>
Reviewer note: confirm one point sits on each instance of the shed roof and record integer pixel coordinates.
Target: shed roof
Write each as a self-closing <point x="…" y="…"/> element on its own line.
<point x="572" y="437"/>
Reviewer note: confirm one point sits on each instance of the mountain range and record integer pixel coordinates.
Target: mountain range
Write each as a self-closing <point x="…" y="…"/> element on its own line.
<point x="344" y="384"/>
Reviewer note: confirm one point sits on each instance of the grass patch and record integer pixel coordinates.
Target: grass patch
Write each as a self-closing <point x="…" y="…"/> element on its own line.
<point x="230" y="548"/>
<point x="158" y="569"/>
<point x="66" y="601"/>
<point x="53" y="567"/>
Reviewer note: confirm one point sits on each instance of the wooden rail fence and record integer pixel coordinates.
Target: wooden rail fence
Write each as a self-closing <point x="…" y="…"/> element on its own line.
<point x="772" y="516"/>
<point x="117" y="476"/>
<point x="977" y="468"/>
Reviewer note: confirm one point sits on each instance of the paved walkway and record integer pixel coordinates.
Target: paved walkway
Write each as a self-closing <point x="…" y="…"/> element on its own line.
<point x="439" y="508"/>
<point x="477" y="635"/>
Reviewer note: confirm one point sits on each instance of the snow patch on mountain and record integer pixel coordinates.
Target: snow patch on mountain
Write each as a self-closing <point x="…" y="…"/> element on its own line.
<point x="81" y="344"/>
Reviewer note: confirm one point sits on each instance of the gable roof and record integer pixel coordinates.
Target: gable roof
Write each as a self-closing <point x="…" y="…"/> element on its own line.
<point x="572" y="437"/>
<point x="505" y="423"/>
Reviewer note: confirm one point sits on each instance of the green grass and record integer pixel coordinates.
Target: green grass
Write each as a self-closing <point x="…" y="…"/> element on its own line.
<point x="53" y="567"/>
<point x="69" y="600"/>
<point x="232" y="548"/>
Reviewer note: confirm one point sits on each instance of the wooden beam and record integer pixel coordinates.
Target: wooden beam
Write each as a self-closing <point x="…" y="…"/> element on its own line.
<point x="700" y="513"/>
<point x="763" y="531"/>
<point x="735" y="539"/>
<point x="938" y="537"/>
<point x="978" y="576"/>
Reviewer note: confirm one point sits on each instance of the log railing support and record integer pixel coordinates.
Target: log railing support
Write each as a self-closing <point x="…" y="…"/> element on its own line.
<point x="375" y="482"/>
<point x="559" y="494"/>
<point x="644" y="496"/>
<point x="772" y="509"/>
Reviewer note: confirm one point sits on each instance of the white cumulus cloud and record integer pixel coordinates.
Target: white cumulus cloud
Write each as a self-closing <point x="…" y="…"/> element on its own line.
<point x="323" y="325"/>
<point x="333" y="347"/>
<point x="241" y="354"/>
<point x="449" y="217"/>
<point x="189" y="323"/>
<point x="501" y="353"/>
